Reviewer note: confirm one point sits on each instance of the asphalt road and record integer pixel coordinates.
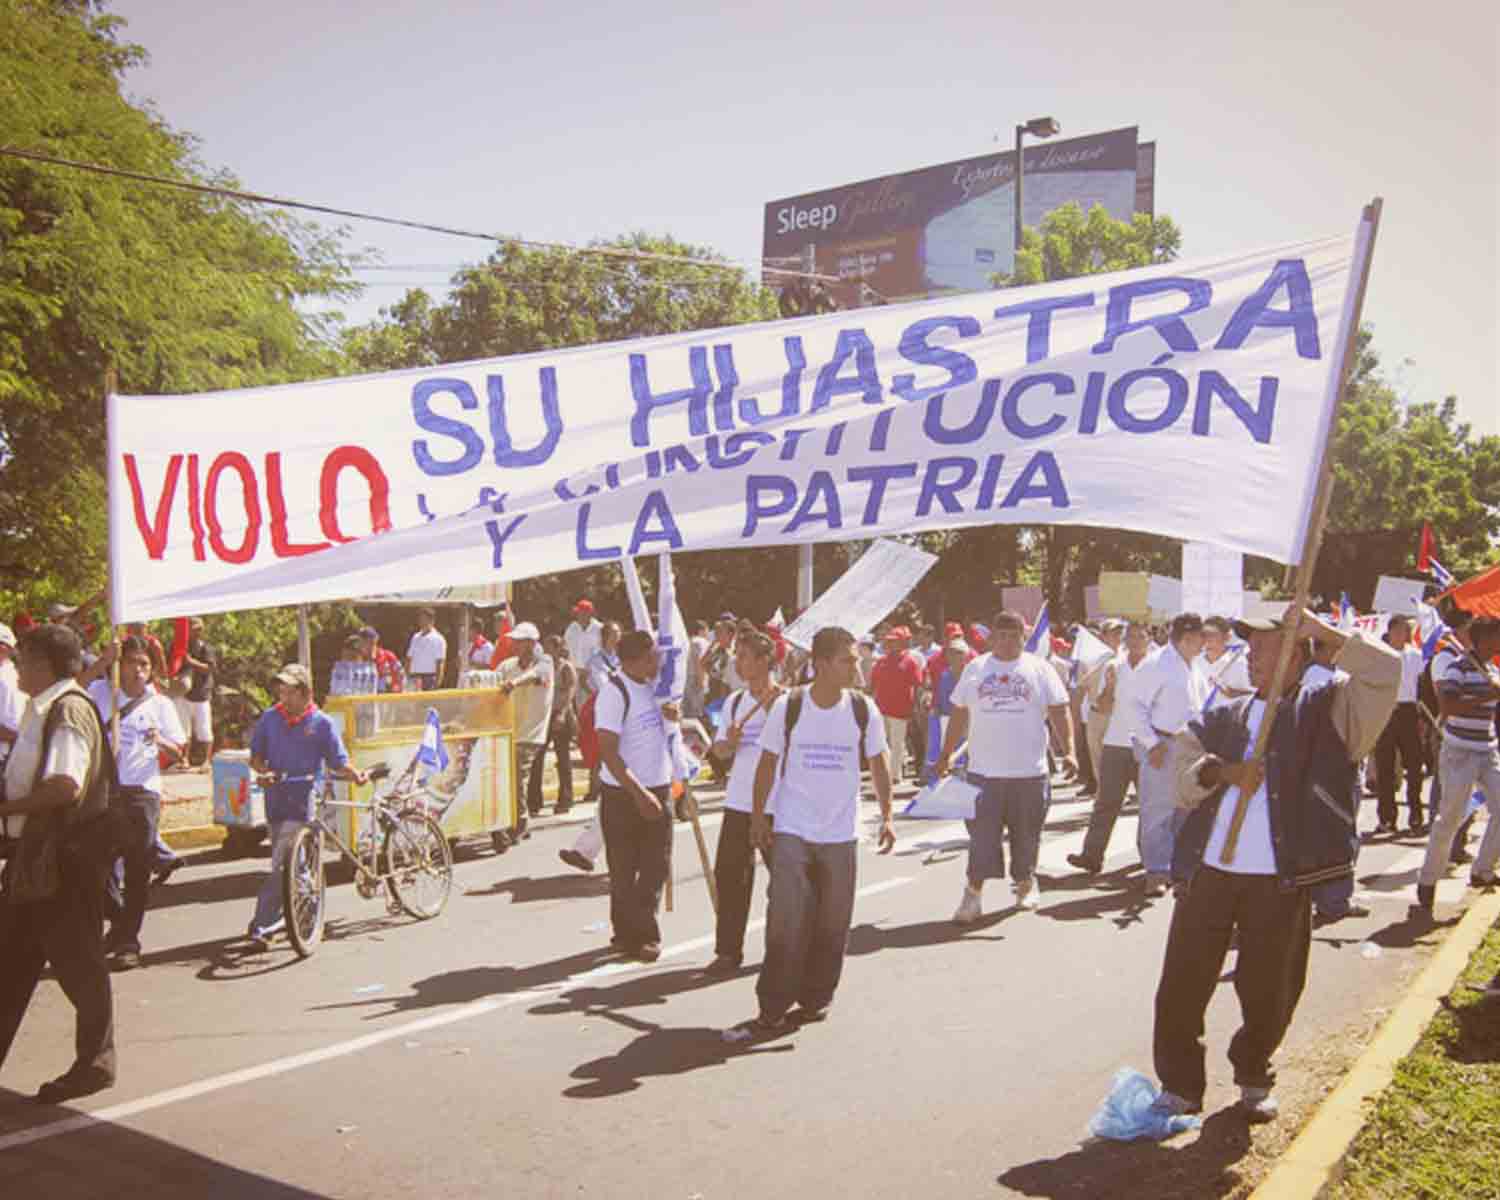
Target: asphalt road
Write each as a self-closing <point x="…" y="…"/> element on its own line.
<point x="500" y="1049"/>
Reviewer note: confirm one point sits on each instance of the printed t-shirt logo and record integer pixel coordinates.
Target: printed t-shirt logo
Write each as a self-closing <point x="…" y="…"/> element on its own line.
<point x="1003" y="688"/>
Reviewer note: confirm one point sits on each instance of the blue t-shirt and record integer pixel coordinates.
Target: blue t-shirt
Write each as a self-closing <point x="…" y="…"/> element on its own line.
<point x="947" y="681"/>
<point x="296" y="748"/>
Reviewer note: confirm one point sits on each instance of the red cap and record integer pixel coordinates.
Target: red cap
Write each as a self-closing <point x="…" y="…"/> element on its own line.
<point x="584" y="606"/>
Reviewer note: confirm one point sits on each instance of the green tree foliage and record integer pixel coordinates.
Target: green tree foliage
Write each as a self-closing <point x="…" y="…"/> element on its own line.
<point x="1397" y="465"/>
<point x="1071" y="243"/>
<point x="174" y="291"/>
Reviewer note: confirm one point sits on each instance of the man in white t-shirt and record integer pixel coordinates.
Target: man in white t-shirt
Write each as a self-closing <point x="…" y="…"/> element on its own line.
<point x="149" y="726"/>
<point x="1172" y="696"/>
<point x="737" y="740"/>
<point x="426" y="654"/>
<point x="1126" y="674"/>
<point x="1403" y="735"/>
<point x="583" y="636"/>
<point x="12" y="699"/>
<point x="810" y="752"/>
<point x="528" y="679"/>
<point x="635" y="808"/>
<point x="1002" y="706"/>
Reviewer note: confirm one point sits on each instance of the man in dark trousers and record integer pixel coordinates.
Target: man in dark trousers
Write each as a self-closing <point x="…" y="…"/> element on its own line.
<point x="1403" y="734"/>
<point x="634" y="811"/>
<point x="57" y="783"/>
<point x="1257" y="882"/>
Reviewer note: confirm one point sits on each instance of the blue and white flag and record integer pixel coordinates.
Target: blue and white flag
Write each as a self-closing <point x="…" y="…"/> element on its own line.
<point x="1440" y="574"/>
<point x="432" y="753"/>
<point x="1430" y="628"/>
<point x="1346" y="613"/>
<point x="1039" y="641"/>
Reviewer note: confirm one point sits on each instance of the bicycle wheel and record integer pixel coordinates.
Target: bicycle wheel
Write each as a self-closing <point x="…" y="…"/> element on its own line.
<point x="419" y="864"/>
<point x="303" y="890"/>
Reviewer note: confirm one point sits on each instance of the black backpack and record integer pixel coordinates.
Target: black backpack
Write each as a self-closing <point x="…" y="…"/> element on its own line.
<point x="794" y="711"/>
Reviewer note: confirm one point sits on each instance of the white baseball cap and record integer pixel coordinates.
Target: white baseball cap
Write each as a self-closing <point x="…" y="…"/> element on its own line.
<point x="526" y="632"/>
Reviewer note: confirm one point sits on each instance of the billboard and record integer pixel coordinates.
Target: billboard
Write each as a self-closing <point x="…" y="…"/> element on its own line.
<point x="950" y="227"/>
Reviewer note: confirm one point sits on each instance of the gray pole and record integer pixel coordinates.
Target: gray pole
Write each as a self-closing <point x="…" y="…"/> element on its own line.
<point x="304" y="638"/>
<point x="1015" y="261"/>
<point x="804" y="577"/>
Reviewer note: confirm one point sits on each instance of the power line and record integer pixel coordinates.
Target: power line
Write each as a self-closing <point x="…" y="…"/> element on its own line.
<point x="425" y="226"/>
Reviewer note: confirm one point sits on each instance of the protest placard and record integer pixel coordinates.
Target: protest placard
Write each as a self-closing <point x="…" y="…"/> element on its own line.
<point x="883" y="577"/>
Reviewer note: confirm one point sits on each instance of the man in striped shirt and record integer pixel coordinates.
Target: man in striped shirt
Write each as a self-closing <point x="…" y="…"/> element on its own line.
<point x="1468" y="689"/>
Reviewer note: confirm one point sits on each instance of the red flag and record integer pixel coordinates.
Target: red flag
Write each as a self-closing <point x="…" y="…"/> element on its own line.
<point x="505" y="646"/>
<point x="1425" y="547"/>
<point x="181" y="634"/>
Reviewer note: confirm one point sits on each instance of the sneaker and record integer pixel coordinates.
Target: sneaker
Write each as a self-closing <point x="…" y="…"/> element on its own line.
<point x="969" y="908"/>
<point x="1461" y="857"/>
<point x="1028" y="896"/>
<point x="74" y="1084"/>
<point x="722" y="966"/>
<point x="1417" y="829"/>
<point x="562" y="807"/>
<point x="756" y="1029"/>
<point x="1170" y="1104"/>
<point x="1258" y="1106"/>
<point x="803" y="1015"/>
<point x="124" y="959"/>
<point x="576" y="860"/>
<point x="1385" y="829"/>
<point x="1087" y="865"/>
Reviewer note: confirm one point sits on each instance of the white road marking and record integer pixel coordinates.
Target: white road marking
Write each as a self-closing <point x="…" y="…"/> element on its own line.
<point x="116" y="1113"/>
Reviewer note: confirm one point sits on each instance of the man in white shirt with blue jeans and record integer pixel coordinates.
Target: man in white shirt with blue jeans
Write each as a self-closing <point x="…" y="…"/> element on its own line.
<point x="1003" y="705"/>
<point x="1174" y="696"/>
<point x="810" y="752"/>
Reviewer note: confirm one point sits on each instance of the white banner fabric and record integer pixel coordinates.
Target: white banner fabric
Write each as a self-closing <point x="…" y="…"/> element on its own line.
<point x="883" y="577"/>
<point x="1188" y="399"/>
<point x="1213" y="580"/>
<point x="1394" y="594"/>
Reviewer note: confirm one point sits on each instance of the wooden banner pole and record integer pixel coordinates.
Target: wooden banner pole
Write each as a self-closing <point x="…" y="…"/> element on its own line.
<point x="708" y="869"/>
<point x="111" y="385"/>
<point x="1316" y="521"/>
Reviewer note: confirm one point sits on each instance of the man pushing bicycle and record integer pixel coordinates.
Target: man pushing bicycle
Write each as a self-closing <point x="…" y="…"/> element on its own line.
<point x="293" y="742"/>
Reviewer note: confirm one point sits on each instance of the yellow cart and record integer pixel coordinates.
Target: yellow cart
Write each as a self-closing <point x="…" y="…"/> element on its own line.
<point x="465" y="779"/>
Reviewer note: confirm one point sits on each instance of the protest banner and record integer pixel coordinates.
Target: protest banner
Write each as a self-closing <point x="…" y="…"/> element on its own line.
<point x="865" y="593"/>
<point x="1071" y="402"/>
<point x="1213" y="580"/>
<point x="1396" y="595"/>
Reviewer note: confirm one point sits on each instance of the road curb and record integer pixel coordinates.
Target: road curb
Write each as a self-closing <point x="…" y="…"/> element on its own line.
<point x="194" y="837"/>
<point x="1316" y="1156"/>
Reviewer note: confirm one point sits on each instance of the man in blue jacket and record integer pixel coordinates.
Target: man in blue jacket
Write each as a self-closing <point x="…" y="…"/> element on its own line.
<point x="1256" y="881"/>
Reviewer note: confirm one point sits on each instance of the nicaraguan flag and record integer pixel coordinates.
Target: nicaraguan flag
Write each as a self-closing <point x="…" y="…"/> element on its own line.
<point x="432" y="753"/>
<point x="1431" y="629"/>
<point x="1440" y="574"/>
<point x="1346" y="613"/>
<point x="1039" y="642"/>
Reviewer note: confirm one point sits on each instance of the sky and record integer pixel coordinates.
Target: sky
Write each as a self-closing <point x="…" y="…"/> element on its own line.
<point x="1274" y="122"/>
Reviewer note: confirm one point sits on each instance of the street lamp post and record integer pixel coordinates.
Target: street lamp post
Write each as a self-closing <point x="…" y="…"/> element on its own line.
<point x="1038" y="127"/>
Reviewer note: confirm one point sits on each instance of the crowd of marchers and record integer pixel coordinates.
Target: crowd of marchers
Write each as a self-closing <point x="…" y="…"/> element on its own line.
<point x="1254" y="832"/>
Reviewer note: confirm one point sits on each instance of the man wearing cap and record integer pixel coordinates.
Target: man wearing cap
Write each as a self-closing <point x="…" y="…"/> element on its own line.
<point x="388" y="671"/>
<point x="583" y="635"/>
<point x="297" y="741"/>
<point x="1255" y="881"/>
<point x="528" y="680"/>
<point x="895" y="680"/>
<point x="12" y="699"/>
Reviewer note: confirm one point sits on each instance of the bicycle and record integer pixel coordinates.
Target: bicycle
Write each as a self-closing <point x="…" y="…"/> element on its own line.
<point x="414" y="862"/>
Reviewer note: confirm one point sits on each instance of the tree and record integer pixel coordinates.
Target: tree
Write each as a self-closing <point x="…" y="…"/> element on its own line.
<point x="1071" y="243"/>
<point x="174" y="291"/>
<point x="1395" y="466"/>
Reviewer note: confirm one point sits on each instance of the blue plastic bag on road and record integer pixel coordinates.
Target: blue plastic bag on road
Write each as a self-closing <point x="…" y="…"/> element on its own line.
<point x="1127" y="1115"/>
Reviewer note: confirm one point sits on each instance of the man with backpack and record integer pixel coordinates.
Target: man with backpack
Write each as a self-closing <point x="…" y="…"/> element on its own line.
<point x="57" y="784"/>
<point x="636" y="777"/>
<point x="741" y="721"/>
<point x="811" y="749"/>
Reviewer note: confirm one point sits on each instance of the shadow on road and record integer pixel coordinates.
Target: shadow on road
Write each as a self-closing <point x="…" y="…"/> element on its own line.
<point x="871" y="939"/>
<point x="525" y="889"/>
<point x="1123" y="1170"/>
<point x="657" y="1051"/>
<point x="98" y="1158"/>
<point x="638" y="991"/>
